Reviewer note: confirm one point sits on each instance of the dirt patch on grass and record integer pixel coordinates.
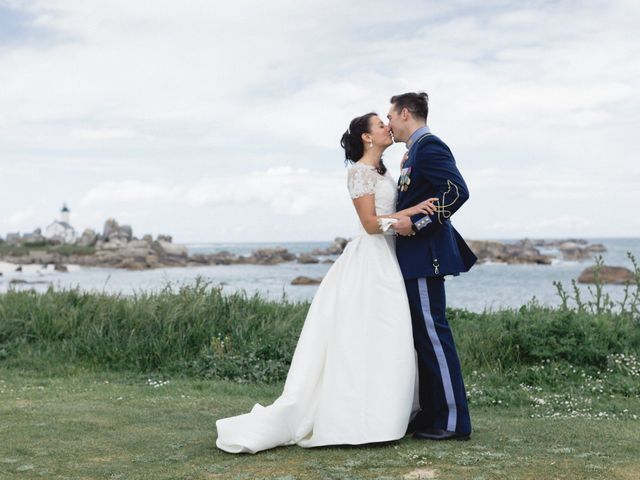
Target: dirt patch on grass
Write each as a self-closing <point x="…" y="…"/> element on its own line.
<point x="421" y="474"/>
<point x="627" y="472"/>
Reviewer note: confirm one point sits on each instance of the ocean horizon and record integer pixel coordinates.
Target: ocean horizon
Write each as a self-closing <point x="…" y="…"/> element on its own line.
<point x="488" y="286"/>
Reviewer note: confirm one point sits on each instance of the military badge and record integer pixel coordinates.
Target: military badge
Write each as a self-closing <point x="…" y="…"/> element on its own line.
<point x="405" y="179"/>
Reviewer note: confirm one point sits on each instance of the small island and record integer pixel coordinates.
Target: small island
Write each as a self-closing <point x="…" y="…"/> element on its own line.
<point x="117" y="247"/>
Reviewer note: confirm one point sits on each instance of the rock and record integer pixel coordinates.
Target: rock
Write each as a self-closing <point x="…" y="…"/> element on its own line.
<point x="133" y="255"/>
<point x="524" y="251"/>
<point x="88" y="238"/>
<point x="487" y="250"/>
<point x="19" y="268"/>
<point x="268" y="256"/>
<point x="615" y="275"/>
<point x="164" y="238"/>
<point x="173" y="249"/>
<point x="132" y="264"/>
<point x="521" y="252"/>
<point x="597" y="248"/>
<point x="578" y="251"/>
<point x="112" y="231"/>
<point x="15" y="281"/>
<point x="42" y="257"/>
<point x="126" y="232"/>
<point x="200" y="259"/>
<point x="336" y="248"/>
<point x="571" y="250"/>
<point x="135" y="247"/>
<point x="306" y="258"/>
<point x="110" y="226"/>
<point x="152" y="261"/>
<point x="556" y="243"/>
<point x="328" y="260"/>
<point x="105" y="257"/>
<point x="114" y="243"/>
<point x="60" y="268"/>
<point x="221" y="258"/>
<point x="302" y="280"/>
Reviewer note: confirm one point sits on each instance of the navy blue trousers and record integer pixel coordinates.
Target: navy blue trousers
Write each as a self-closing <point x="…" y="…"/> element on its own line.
<point x="443" y="400"/>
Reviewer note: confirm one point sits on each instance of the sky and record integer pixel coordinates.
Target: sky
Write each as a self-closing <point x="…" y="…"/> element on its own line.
<point x="220" y="121"/>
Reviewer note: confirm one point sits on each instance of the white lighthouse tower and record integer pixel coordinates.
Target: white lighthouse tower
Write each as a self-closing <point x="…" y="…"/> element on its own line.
<point x="64" y="214"/>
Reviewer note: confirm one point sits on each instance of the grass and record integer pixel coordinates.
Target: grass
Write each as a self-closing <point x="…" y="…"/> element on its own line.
<point x="62" y="249"/>
<point x="199" y="331"/>
<point x="111" y="387"/>
<point x="115" y="425"/>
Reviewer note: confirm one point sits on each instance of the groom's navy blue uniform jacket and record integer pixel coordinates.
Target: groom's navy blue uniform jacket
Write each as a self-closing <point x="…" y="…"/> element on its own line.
<point x="437" y="248"/>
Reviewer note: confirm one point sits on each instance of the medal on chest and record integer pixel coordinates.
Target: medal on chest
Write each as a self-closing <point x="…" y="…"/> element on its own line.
<point x="405" y="179"/>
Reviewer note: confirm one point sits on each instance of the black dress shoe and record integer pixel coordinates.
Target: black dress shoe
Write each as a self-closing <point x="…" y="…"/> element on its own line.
<point x="412" y="427"/>
<point x="439" y="434"/>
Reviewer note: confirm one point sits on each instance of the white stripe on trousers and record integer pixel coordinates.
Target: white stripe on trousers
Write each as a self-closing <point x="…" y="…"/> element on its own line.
<point x="440" y="356"/>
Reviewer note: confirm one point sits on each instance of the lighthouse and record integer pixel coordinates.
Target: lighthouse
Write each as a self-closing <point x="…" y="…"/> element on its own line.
<point x="64" y="214"/>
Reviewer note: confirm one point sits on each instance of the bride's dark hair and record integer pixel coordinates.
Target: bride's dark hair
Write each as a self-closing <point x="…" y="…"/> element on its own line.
<point x="352" y="140"/>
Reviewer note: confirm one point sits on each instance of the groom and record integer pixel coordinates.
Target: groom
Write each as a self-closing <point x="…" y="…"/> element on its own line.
<point x="428" y="248"/>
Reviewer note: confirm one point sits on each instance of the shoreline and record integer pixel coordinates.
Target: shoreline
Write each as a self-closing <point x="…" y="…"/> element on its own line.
<point x="148" y="254"/>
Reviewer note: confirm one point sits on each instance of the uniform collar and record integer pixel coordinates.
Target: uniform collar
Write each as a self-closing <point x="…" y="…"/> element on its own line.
<point x="416" y="135"/>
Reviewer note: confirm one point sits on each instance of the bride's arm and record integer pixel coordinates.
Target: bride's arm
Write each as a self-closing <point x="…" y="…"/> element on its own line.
<point x="366" y="208"/>
<point x="425" y="207"/>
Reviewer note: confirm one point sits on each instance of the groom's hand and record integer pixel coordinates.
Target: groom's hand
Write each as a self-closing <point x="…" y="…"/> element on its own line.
<point x="403" y="226"/>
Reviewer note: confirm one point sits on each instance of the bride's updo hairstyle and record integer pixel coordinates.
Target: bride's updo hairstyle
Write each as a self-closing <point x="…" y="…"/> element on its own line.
<point x="352" y="140"/>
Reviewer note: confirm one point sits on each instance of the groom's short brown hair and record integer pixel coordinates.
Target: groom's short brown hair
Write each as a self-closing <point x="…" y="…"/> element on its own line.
<point x="416" y="102"/>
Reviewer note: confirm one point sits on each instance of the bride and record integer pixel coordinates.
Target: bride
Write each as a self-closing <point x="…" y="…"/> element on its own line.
<point x="352" y="376"/>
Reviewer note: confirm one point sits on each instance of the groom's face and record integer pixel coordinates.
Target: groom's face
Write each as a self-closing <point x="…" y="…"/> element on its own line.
<point x="396" y="124"/>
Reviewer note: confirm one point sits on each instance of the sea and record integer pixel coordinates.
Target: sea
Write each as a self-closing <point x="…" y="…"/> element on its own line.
<point x="487" y="287"/>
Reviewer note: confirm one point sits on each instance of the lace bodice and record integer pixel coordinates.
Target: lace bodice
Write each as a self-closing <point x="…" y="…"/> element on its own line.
<point x="363" y="179"/>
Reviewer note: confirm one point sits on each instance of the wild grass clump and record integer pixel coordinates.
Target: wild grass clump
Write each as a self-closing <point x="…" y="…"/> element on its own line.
<point x="600" y="301"/>
<point x="195" y="330"/>
<point x="535" y="333"/>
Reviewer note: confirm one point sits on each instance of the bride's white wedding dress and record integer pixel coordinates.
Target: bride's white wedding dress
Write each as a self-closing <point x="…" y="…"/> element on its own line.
<point x="352" y="375"/>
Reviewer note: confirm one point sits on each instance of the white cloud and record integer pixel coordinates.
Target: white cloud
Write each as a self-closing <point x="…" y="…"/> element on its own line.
<point x="287" y="191"/>
<point x="128" y="191"/>
<point x="186" y="99"/>
<point x="103" y="133"/>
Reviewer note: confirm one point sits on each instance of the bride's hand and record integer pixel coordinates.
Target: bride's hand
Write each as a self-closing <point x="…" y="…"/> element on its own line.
<point x="427" y="207"/>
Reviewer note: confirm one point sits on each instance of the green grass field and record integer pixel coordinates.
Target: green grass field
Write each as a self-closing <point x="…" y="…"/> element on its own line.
<point x="88" y="425"/>
<point x="97" y="386"/>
